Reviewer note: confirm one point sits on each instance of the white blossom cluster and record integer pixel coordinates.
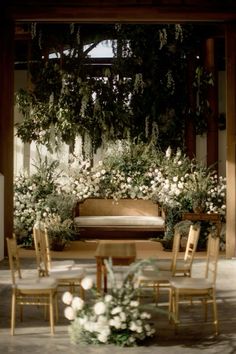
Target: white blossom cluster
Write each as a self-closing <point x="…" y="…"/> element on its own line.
<point x="170" y="179"/>
<point x="113" y="318"/>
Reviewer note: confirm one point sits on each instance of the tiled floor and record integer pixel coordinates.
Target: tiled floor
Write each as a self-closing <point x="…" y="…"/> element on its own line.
<point x="32" y="335"/>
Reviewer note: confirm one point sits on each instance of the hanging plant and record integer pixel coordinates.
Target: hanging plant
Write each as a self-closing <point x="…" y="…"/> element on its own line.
<point x="143" y="93"/>
<point x="203" y="80"/>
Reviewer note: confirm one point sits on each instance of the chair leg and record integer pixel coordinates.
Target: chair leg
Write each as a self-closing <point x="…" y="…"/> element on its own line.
<point x="176" y="310"/>
<point x="51" y="311"/>
<point x="13" y="312"/>
<point x="215" y="315"/>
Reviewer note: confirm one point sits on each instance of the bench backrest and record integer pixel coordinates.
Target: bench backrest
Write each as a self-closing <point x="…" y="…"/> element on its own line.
<point x="107" y="207"/>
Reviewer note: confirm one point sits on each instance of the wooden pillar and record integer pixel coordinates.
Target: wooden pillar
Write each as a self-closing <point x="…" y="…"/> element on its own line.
<point x="230" y="37"/>
<point x="6" y="118"/>
<point x="212" y="119"/>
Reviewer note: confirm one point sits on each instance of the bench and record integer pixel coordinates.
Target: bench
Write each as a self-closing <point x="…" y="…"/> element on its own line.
<point x="124" y="219"/>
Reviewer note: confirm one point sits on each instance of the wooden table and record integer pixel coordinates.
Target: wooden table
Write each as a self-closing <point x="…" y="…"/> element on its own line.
<point x="211" y="217"/>
<point x="121" y="253"/>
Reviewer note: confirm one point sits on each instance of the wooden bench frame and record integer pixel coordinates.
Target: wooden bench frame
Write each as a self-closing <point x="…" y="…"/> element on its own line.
<point x="123" y="207"/>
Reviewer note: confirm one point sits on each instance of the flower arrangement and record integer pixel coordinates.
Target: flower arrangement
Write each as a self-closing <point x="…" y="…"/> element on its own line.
<point x="114" y="318"/>
<point x="129" y="169"/>
<point x="60" y="231"/>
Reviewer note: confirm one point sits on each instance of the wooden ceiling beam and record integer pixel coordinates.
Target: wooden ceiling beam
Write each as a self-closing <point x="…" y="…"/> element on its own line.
<point x="123" y="14"/>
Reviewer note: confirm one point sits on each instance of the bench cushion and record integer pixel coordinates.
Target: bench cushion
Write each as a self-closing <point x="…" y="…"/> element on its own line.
<point x="135" y="221"/>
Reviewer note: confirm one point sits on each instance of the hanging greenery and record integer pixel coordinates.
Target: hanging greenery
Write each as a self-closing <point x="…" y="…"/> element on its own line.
<point x="142" y="94"/>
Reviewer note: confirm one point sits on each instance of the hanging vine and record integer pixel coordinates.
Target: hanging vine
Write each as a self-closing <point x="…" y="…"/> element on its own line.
<point x="142" y="94"/>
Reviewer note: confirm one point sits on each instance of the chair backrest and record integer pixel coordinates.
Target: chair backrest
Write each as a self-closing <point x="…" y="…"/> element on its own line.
<point x="14" y="261"/>
<point x="175" y="249"/>
<point x="191" y="246"/>
<point x="213" y="247"/>
<point x="42" y="250"/>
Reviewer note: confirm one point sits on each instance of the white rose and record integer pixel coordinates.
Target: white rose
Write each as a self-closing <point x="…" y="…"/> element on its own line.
<point x="123" y="316"/>
<point x="116" y="310"/>
<point x="102" y="337"/>
<point x="99" y="308"/>
<point x="67" y="298"/>
<point x="87" y="283"/>
<point x="108" y="298"/>
<point x="69" y="313"/>
<point x="77" y="303"/>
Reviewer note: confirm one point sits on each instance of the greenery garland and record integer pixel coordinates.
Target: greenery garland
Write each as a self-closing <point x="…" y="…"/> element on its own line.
<point x="143" y="93"/>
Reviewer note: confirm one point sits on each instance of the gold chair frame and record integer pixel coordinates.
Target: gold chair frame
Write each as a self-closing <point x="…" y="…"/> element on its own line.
<point x="202" y="288"/>
<point x="159" y="277"/>
<point x="66" y="277"/>
<point x="29" y="291"/>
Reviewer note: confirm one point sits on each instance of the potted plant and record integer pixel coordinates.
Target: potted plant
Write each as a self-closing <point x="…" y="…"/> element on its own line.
<point x="198" y="186"/>
<point x="59" y="220"/>
<point x="60" y="232"/>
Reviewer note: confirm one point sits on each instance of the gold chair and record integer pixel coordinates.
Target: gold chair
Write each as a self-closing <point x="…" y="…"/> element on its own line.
<point x="158" y="276"/>
<point x="31" y="290"/>
<point x="67" y="277"/>
<point x="202" y="288"/>
<point x="182" y="266"/>
<point x="43" y="254"/>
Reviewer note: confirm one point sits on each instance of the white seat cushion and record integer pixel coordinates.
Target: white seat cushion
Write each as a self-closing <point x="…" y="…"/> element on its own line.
<point x="191" y="283"/>
<point x="120" y="221"/>
<point x="36" y="283"/>
<point x="62" y="264"/>
<point x="78" y="273"/>
<point x="154" y="276"/>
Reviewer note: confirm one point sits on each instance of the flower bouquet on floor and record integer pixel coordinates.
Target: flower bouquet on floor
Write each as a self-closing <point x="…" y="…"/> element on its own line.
<point x="114" y="318"/>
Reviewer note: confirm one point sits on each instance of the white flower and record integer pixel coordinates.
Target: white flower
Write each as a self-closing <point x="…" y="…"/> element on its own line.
<point x="145" y="315"/>
<point x="77" y="303"/>
<point x="99" y="308"/>
<point x="67" y="298"/>
<point x="89" y="326"/>
<point x="116" y="310"/>
<point x="87" y="283"/>
<point x="108" y="298"/>
<point x="168" y="152"/>
<point x="123" y="316"/>
<point x="134" y="303"/>
<point x="115" y="322"/>
<point x="103" y="337"/>
<point x="69" y="313"/>
<point x="132" y="326"/>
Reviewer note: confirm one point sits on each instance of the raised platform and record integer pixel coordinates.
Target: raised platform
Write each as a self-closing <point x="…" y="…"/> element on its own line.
<point x="86" y="250"/>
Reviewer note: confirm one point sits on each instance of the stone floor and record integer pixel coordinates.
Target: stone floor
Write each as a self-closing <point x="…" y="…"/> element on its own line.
<point x="195" y="336"/>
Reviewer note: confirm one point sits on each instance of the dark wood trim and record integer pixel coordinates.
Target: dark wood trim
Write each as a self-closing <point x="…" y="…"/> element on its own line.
<point x="230" y="42"/>
<point x="6" y="119"/>
<point x="112" y="11"/>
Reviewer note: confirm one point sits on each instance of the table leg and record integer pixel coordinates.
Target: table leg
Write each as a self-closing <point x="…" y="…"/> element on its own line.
<point x="99" y="274"/>
<point x="104" y="270"/>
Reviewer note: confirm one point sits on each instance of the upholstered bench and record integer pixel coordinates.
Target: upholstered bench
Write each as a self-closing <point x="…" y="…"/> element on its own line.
<point x="125" y="219"/>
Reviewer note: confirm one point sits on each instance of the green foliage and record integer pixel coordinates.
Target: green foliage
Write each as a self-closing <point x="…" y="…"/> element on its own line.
<point x="144" y="93"/>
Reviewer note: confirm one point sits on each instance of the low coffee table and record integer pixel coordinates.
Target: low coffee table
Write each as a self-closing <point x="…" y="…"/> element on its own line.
<point x="121" y="253"/>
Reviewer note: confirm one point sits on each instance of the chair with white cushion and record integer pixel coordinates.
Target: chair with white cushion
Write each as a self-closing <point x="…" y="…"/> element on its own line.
<point x="201" y="288"/>
<point x="69" y="276"/>
<point x="29" y="290"/>
<point x="43" y="254"/>
<point x="158" y="275"/>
